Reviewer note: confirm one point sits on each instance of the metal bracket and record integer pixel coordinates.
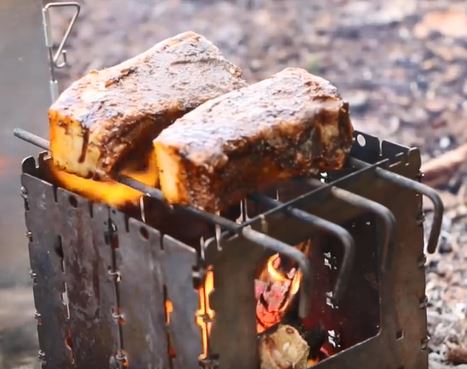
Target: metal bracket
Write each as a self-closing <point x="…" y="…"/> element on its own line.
<point x="57" y="59"/>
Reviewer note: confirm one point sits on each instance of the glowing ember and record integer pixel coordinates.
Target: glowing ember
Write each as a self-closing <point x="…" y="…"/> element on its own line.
<point x="205" y="314"/>
<point x="169" y="308"/>
<point x="312" y="362"/>
<point x="323" y="354"/>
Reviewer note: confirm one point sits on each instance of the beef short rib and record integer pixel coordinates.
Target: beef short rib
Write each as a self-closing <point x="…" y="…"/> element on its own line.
<point x="97" y="122"/>
<point x="291" y="124"/>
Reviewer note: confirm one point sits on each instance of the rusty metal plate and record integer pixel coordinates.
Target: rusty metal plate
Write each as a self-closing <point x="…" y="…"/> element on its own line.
<point x="401" y="342"/>
<point x="141" y="296"/>
<point x="177" y="267"/>
<point x="184" y="227"/>
<point x="233" y="337"/>
<point x="91" y="291"/>
<point x="42" y="218"/>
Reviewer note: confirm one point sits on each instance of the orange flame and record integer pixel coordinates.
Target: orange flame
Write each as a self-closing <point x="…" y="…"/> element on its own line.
<point x="205" y="314"/>
<point x="109" y="192"/>
<point x="275" y="292"/>
<point x="312" y="362"/>
<point x="169" y="308"/>
<point x="271" y="270"/>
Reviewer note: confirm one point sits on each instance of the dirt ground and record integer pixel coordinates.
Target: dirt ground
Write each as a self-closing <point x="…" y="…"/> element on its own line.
<point x="401" y="64"/>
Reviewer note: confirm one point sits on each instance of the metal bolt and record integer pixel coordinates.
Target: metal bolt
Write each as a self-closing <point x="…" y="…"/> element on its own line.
<point x="33" y="276"/>
<point x="421" y="218"/>
<point x="29" y="236"/>
<point x="421" y="261"/>
<point x="41" y="355"/>
<point x="420" y="175"/>
<point x="116" y="274"/>
<point x="37" y="315"/>
<point x="112" y="226"/>
<point x="24" y="192"/>
<point x="119" y="318"/>
<point x="423" y="302"/>
<point x="424" y="343"/>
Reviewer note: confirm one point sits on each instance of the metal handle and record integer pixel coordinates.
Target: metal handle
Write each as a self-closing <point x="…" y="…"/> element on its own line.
<point x="61" y="52"/>
<point x="54" y="58"/>
<point x="420" y="188"/>
<point x="388" y="221"/>
<point x="428" y="192"/>
<point x="336" y="230"/>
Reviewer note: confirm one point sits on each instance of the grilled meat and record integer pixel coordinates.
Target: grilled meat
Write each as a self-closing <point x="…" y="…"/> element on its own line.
<point x="100" y="119"/>
<point x="291" y="124"/>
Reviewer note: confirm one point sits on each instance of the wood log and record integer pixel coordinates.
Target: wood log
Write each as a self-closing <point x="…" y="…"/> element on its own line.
<point x="457" y="355"/>
<point x="438" y="171"/>
<point x="283" y="349"/>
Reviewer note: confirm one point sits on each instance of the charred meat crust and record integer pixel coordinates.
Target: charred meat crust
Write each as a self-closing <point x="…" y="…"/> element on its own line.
<point x="291" y="124"/>
<point x="110" y="110"/>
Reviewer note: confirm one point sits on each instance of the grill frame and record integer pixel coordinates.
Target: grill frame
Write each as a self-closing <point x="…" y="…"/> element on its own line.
<point x="45" y="206"/>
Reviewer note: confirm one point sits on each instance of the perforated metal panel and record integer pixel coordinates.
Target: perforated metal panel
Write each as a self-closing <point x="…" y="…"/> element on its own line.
<point x="114" y="291"/>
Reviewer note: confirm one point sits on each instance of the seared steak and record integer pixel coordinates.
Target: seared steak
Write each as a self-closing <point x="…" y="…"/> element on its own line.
<point x="291" y="124"/>
<point x="101" y="118"/>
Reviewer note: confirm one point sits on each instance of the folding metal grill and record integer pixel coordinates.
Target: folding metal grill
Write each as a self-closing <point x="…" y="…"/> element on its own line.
<point x="117" y="289"/>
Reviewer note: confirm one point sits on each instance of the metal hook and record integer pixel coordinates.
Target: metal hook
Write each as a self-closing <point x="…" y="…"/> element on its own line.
<point x="48" y="34"/>
<point x="58" y="59"/>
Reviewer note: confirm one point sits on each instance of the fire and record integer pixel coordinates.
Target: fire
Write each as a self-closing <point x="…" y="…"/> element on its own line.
<point x="205" y="314"/>
<point x="312" y="362"/>
<point x="275" y="290"/>
<point x="324" y="353"/>
<point x="169" y="308"/>
<point x="109" y="192"/>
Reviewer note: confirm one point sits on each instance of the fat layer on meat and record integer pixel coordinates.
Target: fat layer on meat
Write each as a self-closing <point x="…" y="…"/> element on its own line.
<point x="291" y="124"/>
<point x="102" y="117"/>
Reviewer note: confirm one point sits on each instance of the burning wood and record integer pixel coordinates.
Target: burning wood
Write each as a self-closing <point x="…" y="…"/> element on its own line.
<point x="275" y="289"/>
<point x="438" y="171"/>
<point x="283" y="349"/>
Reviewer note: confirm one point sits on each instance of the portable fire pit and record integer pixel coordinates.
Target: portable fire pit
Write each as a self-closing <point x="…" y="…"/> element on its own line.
<point x="179" y="288"/>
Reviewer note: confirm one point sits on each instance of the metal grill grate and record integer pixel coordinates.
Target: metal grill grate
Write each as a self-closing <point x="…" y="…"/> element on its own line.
<point x="118" y="272"/>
